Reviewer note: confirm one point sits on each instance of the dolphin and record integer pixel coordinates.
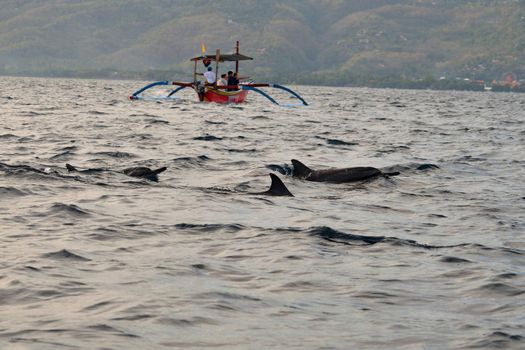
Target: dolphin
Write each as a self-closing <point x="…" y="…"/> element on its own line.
<point x="277" y="188"/>
<point x="337" y="175"/>
<point x="140" y="172"/>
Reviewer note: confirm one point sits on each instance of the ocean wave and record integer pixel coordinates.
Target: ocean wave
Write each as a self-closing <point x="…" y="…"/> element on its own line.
<point x="207" y="138"/>
<point x="191" y="162"/>
<point x="210" y="227"/>
<point x="335" y="236"/>
<point x="502" y="289"/>
<point x="64" y="255"/>
<point x="498" y="340"/>
<point x="8" y="137"/>
<point x="11" y="192"/>
<point x="70" y="210"/>
<point x="113" y="154"/>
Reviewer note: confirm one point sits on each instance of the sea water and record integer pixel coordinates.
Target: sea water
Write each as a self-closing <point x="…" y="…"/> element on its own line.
<point x="431" y="259"/>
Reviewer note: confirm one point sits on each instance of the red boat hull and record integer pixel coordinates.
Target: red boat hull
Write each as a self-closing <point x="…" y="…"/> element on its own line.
<point x="221" y="96"/>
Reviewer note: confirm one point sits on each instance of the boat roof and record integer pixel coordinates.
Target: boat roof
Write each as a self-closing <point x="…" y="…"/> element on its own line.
<point x="224" y="58"/>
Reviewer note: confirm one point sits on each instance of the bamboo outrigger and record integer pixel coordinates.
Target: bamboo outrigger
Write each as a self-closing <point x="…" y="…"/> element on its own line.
<point x="213" y="92"/>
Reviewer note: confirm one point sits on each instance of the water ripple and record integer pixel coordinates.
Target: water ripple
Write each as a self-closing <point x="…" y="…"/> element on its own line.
<point x="433" y="258"/>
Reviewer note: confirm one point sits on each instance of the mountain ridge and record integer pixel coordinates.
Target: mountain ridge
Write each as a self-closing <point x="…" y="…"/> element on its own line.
<point x="307" y="41"/>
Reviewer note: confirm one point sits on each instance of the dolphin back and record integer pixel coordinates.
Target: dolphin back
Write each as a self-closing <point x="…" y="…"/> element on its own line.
<point x="141" y="171"/>
<point x="345" y="175"/>
<point x="144" y="172"/>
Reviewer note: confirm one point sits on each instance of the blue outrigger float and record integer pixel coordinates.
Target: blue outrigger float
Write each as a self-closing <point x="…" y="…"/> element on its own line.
<point x="216" y="93"/>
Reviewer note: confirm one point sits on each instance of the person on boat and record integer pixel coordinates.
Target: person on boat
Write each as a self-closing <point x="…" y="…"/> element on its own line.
<point x="223" y="80"/>
<point x="232" y="81"/>
<point x="210" y="76"/>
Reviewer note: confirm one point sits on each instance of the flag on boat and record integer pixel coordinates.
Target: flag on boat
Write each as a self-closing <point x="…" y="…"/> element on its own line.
<point x="205" y="61"/>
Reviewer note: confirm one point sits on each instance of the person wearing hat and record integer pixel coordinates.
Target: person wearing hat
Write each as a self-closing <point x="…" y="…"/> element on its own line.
<point x="210" y="76"/>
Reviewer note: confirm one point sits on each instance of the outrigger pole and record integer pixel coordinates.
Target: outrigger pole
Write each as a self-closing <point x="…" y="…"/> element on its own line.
<point x="251" y="87"/>
<point x="254" y="87"/>
<point x="136" y="94"/>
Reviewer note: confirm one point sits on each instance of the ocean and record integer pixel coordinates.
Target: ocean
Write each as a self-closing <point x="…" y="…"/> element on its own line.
<point x="433" y="258"/>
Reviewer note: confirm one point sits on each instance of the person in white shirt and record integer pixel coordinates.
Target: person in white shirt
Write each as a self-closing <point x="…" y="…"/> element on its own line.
<point x="210" y="76"/>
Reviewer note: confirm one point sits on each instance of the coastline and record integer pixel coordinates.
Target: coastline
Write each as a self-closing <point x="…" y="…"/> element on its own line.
<point x="391" y="82"/>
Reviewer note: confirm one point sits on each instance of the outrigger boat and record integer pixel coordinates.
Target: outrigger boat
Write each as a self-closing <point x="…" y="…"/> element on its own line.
<point x="216" y="93"/>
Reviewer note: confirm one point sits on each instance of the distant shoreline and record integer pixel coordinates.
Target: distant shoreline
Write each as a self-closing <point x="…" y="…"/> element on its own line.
<point x="379" y="83"/>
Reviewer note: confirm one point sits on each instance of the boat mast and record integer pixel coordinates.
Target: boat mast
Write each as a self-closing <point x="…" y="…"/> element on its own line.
<point x="237" y="58"/>
<point x="217" y="58"/>
<point x="195" y="72"/>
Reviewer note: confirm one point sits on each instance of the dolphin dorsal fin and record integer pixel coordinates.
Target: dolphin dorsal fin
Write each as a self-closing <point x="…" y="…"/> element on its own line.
<point x="277" y="188"/>
<point x="70" y="168"/>
<point x="300" y="170"/>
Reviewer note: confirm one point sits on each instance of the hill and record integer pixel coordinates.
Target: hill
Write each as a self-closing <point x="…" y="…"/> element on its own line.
<point x="308" y="41"/>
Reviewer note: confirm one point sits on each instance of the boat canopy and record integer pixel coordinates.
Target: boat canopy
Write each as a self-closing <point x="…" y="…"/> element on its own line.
<point x="223" y="58"/>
